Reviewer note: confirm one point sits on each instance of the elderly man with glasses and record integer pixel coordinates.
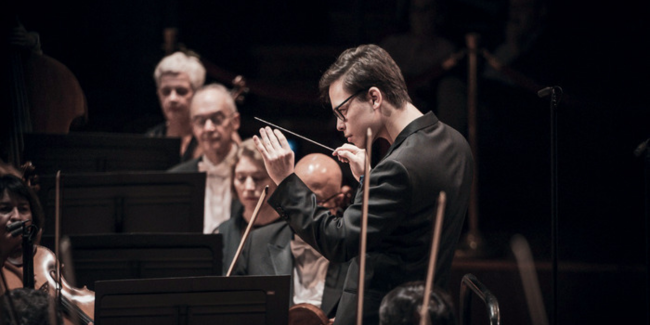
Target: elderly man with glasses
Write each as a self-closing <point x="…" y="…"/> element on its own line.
<point x="215" y="121"/>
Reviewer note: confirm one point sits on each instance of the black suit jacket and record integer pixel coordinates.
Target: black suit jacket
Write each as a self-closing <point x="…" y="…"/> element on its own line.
<point x="188" y="166"/>
<point x="268" y="252"/>
<point x="232" y="231"/>
<point x="160" y="131"/>
<point x="426" y="157"/>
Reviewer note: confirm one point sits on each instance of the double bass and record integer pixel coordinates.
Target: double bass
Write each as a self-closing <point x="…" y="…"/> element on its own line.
<point x="45" y="96"/>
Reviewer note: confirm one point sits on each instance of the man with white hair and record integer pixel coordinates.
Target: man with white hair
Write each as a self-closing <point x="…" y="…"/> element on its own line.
<point x="178" y="76"/>
<point x="214" y="119"/>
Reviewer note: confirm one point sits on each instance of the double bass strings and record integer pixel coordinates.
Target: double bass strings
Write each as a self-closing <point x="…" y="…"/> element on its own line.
<point x="293" y="133"/>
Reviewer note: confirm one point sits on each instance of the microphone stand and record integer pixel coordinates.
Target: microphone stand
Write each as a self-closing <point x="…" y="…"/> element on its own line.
<point x="647" y="225"/>
<point x="642" y="150"/>
<point x="553" y="91"/>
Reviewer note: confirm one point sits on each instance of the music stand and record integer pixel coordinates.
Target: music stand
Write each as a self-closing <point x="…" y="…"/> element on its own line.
<point x="124" y="202"/>
<point x="99" y="152"/>
<point x="260" y="300"/>
<point x="142" y="256"/>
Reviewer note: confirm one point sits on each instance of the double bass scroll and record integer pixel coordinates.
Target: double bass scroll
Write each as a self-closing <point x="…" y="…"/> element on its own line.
<point x="239" y="89"/>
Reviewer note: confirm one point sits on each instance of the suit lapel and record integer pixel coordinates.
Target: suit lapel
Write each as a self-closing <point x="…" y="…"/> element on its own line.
<point x="281" y="259"/>
<point x="332" y="291"/>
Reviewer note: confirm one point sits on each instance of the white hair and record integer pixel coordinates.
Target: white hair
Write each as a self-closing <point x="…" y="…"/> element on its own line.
<point x="180" y="62"/>
<point x="217" y="87"/>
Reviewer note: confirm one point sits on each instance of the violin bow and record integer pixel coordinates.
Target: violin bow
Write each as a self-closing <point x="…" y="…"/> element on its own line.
<point x="521" y="250"/>
<point x="424" y="310"/>
<point x="248" y="229"/>
<point x="364" y="226"/>
<point x="57" y="235"/>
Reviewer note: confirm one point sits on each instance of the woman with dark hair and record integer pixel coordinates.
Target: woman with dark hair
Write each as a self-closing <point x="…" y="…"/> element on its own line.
<point x="18" y="202"/>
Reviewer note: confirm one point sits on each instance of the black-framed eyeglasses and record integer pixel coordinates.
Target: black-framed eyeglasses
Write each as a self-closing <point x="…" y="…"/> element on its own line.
<point x="337" y="110"/>
<point x="325" y="201"/>
<point x="217" y="119"/>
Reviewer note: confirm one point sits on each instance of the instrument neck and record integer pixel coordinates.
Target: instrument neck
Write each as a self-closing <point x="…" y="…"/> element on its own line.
<point x="28" y="255"/>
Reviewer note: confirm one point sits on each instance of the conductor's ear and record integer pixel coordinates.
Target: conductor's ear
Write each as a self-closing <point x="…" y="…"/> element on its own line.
<point x="376" y="97"/>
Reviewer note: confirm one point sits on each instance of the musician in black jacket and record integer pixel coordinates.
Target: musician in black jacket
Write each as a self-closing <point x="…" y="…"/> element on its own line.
<point x="367" y="90"/>
<point x="274" y="250"/>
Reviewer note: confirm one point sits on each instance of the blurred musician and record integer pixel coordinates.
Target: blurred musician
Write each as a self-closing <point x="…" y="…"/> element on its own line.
<point x="275" y="250"/>
<point x="250" y="179"/>
<point x="17" y="203"/>
<point x="178" y="76"/>
<point x="214" y="119"/>
<point x="401" y="306"/>
<point x="30" y="307"/>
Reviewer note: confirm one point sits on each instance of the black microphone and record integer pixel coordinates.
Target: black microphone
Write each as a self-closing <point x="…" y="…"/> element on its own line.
<point x="545" y="92"/>
<point x="641" y="148"/>
<point x="15" y="228"/>
<point x="548" y="90"/>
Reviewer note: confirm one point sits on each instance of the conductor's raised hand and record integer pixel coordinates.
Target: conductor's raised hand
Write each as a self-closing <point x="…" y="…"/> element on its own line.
<point x="353" y="155"/>
<point x="277" y="154"/>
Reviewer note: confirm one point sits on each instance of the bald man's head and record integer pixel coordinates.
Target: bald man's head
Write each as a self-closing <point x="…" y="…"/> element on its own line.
<point x="322" y="174"/>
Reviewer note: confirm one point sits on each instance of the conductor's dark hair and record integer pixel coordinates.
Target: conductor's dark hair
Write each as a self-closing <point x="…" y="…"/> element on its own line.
<point x="363" y="67"/>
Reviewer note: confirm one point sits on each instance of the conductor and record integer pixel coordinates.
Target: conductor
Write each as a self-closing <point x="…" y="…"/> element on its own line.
<point x="367" y="90"/>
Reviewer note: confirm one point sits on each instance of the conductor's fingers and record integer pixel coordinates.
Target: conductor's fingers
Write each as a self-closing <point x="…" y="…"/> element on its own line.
<point x="343" y="156"/>
<point x="272" y="139"/>
<point x="266" y="138"/>
<point x="260" y="146"/>
<point x="282" y="139"/>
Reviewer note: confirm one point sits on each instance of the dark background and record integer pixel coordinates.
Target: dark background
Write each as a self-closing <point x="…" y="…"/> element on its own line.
<point x="282" y="47"/>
